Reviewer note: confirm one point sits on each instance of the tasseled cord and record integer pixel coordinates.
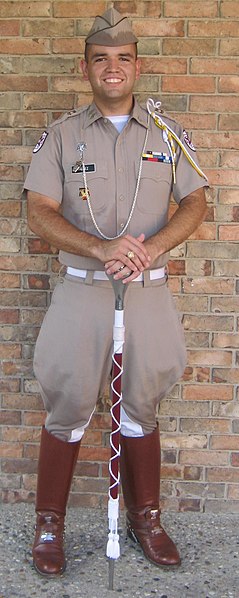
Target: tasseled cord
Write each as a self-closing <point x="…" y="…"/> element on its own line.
<point x="168" y="136"/>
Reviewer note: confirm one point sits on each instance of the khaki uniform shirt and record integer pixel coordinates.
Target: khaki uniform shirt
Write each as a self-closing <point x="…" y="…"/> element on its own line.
<point x="112" y="162"/>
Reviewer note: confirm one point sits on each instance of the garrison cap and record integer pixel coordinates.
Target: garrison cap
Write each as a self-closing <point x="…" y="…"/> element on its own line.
<point x="111" y="29"/>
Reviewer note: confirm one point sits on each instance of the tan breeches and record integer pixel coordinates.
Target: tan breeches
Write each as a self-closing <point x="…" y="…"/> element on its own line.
<point x="73" y="355"/>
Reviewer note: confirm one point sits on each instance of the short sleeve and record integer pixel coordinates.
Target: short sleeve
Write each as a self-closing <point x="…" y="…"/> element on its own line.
<point x="45" y="174"/>
<point x="187" y="178"/>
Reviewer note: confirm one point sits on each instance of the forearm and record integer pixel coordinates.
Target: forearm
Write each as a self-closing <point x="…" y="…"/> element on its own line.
<point x="183" y="223"/>
<point x="46" y="221"/>
<point x="59" y="232"/>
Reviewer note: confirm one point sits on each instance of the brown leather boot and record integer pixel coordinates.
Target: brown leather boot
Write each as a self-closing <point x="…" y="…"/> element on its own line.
<point x="56" y="465"/>
<point x="140" y="478"/>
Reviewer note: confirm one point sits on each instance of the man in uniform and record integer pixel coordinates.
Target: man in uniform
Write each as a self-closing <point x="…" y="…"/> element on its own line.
<point x="99" y="187"/>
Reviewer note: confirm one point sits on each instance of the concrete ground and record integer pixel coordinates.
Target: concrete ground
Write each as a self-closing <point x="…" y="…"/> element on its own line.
<point x="208" y="543"/>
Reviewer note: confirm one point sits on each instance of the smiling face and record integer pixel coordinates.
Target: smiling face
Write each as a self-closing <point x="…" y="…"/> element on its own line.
<point x="112" y="72"/>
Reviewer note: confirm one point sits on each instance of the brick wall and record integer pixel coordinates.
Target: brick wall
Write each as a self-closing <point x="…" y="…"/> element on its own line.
<point x="190" y="59"/>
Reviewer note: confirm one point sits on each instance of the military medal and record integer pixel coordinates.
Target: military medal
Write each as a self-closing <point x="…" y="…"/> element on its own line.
<point x="150" y="156"/>
<point x="83" y="193"/>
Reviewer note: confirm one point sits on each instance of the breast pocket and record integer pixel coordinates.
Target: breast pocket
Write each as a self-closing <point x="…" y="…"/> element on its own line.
<point x="155" y="187"/>
<point x="74" y="189"/>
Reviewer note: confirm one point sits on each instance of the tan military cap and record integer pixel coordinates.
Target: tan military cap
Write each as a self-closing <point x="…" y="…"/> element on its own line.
<point x="111" y="30"/>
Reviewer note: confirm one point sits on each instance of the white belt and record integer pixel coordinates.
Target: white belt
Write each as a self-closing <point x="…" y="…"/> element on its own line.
<point x="101" y="275"/>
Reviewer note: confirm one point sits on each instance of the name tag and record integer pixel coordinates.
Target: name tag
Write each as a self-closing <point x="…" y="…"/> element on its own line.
<point x="79" y="168"/>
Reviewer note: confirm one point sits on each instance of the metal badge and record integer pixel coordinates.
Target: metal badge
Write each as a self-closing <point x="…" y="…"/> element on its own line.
<point x="81" y="147"/>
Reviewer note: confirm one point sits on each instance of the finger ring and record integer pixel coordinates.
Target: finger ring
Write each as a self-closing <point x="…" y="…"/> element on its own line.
<point x="121" y="268"/>
<point x="130" y="255"/>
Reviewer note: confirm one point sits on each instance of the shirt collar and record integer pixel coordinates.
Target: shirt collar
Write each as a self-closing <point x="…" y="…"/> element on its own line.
<point x="138" y="113"/>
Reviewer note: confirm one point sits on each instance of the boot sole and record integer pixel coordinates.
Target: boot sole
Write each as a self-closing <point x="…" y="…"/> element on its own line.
<point x="49" y="575"/>
<point x="135" y="540"/>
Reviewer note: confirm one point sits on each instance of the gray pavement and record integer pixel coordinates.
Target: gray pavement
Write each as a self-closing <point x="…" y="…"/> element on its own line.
<point x="209" y="546"/>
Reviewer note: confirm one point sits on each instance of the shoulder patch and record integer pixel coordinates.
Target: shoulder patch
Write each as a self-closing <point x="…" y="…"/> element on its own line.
<point x="188" y="141"/>
<point x="40" y="143"/>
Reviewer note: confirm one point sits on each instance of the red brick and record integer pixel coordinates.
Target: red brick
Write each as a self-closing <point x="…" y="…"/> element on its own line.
<point x="22" y="434"/>
<point x="9" y="28"/>
<point x="78" y="9"/>
<point x="229" y="47"/>
<point x="235" y="456"/>
<point x="158" y="28"/>
<point x="203" y="425"/>
<point x="11" y="450"/>
<point x="227" y="66"/>
<point x="228" y="443"/>
<point x="91" y="453"/>
<point x="222" y="474"/>
<point x="24" y="46"/>
<point x="39" y="281"/>
<point x="174" y="9"/>
<point x="207" y="392"/>
<point x="229" y="8"/>
<point x="189" y="47"/>
<point x="229" y="232"/>
<point x="10" y="350"/>
<point x="50" y="101"/>
<point x="38" y="246"/>
<point x="68" y="46"/>
<point x="10" y="418"/>
<point x="211" y="322"/>
<point x="11" y="173"/>
<point x="171" y="471"/>
<point x="233" y="492"/>
<point x="192" y="473"/>
<point x="20" y="8"/>
<point x="23" y="83"/>
<point x="225" y="341"/>
<point x="9" y="316"/>
<point x="87" y="469"/>
<point x="188" y="84"/>
<point x="204" y="457"/>
<point x="48" y="28"/>
<point x="35" y="418"/>
<point x="229" y="196"/>
<point x="10" y="281"/>
<point x="214" y="103"/>
<point x="10" y="209"/>
<point x="163" y="65"/>
<point x="213" y="28"/>
<point x="212" y="358"/>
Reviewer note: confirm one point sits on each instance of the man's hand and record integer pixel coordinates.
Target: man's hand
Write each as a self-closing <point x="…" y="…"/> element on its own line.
<point x="129" y="257"/>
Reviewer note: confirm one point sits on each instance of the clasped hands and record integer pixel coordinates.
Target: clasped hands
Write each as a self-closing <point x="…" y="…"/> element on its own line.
<point x="130" y="258"/>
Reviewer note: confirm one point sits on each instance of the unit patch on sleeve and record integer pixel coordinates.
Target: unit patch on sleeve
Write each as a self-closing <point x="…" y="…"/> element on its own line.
<point x="188" y="141"/>
<point x="40" y="142"/>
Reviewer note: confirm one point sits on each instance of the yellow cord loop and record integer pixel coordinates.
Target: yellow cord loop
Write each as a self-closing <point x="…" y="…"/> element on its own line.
<point x="169" y="136"/>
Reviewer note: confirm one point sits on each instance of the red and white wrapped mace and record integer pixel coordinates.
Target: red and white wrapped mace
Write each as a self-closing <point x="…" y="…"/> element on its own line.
<point x="113" y="546"/>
